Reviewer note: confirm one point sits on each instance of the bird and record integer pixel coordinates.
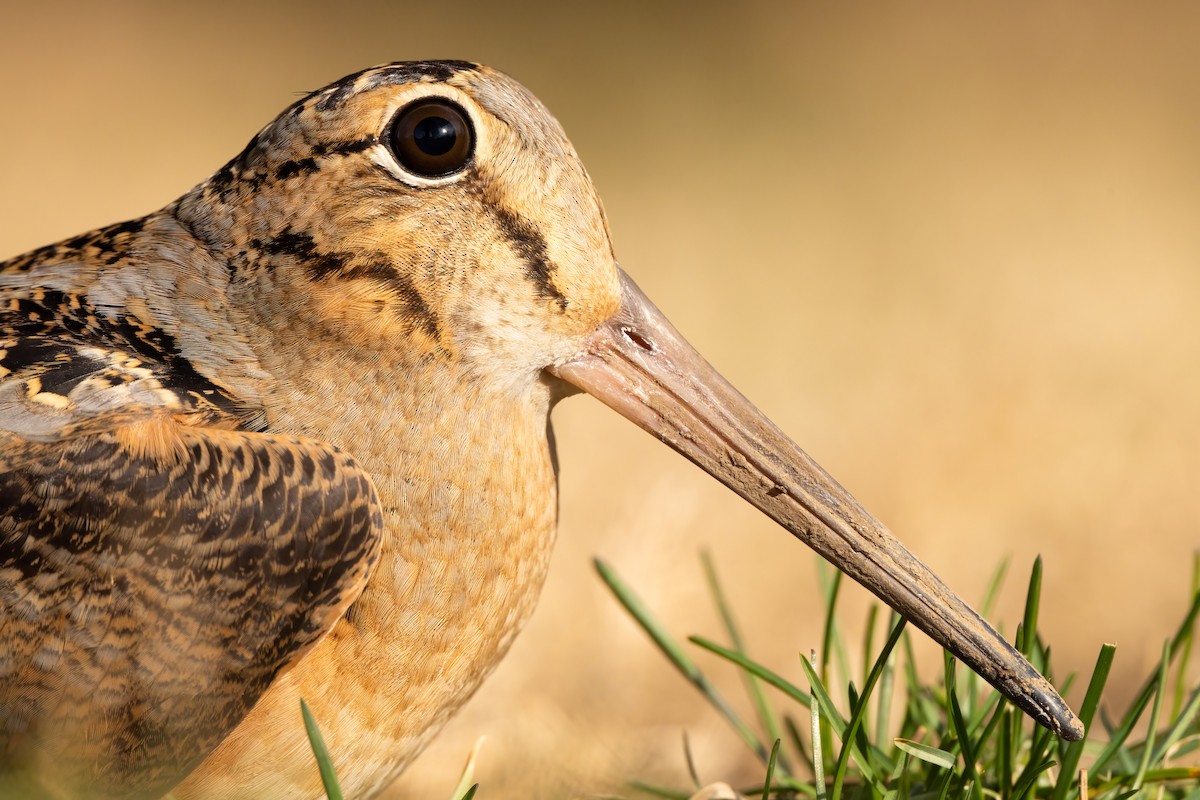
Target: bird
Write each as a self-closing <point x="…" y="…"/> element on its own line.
<point x="289" y="438"/>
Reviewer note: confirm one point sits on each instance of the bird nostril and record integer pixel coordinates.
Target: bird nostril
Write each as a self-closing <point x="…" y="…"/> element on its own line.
<point x="638" y="339"/>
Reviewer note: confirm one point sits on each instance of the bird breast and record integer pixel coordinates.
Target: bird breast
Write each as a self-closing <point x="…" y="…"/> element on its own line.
<point x="470" y="512"/>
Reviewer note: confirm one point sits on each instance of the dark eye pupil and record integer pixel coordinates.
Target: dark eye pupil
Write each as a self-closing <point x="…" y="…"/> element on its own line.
<point x="435" y="136"/>
<point x="432" y="138"/>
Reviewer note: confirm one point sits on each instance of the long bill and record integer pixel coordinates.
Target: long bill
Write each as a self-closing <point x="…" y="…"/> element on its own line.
<point x="639" y="365"/>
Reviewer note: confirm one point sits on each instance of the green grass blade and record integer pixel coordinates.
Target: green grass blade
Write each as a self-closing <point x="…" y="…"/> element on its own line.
<point x="815" y="712"/>
<point x="993" y="706"/>
<point x="1154" y="776"/>
<point x="959" y="726"/>
<point x="774" y="679"/>
<point x="988" y="603"/>
<point x="1036" y="759"/>
<point x="930" y="755"/>
<point x="868" y="649"/>
<point x="855" y="732"/>
<point x="1155" y="710"/>
<point x="834" y="718"/>
<point x="466" y="780"/>
<point x="665" y="642"/>
<point x="757" y="697"/>
<point x="766" y="792"/>
<point x="691" y="762"/>
<point x="832" y="644"/>
<point x="901" y="776"/>
<point x="1006" y="753"/>
<point x="1118" y="736"/>
<point x="850" y="741"/>
<point x="920" y="711"/>
<point x="1029" y="778"/>
<point x="1181" y="675"/>
<point x="983" y="707"/>
<point x="328" y="778"/>
<point x="1179" y="727"/>
<point x="677" y="656"/>
<point x="1086" y="713"/>
<point x="883" y="703"/>
<point x="1033" y="598"/>
<point x="869" y="639"/>
<point x="796" y="739"/>
<point x="1172" y="774"/>
<point x="947" y="780"/>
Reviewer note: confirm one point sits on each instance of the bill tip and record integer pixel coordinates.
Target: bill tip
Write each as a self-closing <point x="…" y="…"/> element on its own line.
<point x="1071" y="729"/>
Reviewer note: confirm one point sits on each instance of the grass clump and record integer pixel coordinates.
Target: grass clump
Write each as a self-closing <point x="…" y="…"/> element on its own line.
<point x="956" y="737"/>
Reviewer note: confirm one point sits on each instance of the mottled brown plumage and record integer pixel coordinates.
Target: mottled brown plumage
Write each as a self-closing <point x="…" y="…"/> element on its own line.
<point x="288" y="438"/>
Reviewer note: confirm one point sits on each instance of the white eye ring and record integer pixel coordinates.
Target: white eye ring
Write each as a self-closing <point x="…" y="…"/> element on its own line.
<point x="450" y="142"/>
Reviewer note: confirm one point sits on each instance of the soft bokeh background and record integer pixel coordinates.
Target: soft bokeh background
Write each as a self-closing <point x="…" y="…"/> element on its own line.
<point x="953" y="248"/>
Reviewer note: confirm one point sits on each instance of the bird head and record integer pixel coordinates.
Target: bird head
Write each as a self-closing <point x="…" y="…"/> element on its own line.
<point x="437" y="210"/>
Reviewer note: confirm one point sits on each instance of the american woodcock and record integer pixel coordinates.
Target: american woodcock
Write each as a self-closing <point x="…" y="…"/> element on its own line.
<point x="289" y="438"/>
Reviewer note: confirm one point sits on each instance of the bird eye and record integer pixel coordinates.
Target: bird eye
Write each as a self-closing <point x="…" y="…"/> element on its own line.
<point x="432" y="138"/>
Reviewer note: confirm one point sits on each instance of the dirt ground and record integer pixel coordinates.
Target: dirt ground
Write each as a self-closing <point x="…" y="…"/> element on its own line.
<point x="952" y="248"/>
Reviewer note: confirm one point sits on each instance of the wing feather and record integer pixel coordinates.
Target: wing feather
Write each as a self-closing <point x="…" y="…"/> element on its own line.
<point x="159" y="566"/>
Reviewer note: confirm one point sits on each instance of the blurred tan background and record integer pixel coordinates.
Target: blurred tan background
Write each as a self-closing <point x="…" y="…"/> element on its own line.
<point x="953" y="248"/>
